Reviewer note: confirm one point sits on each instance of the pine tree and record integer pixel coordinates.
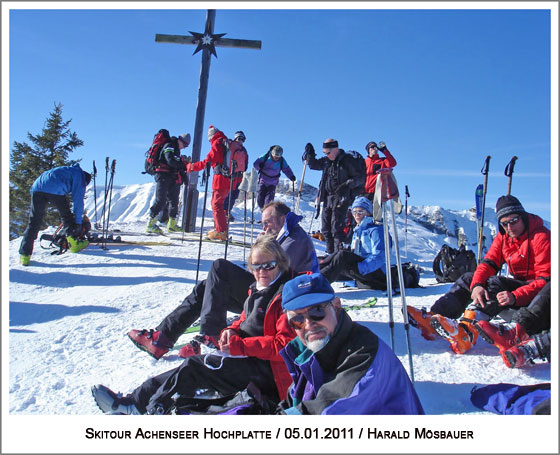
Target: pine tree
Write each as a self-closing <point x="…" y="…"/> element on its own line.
<point x="48" y="149"/>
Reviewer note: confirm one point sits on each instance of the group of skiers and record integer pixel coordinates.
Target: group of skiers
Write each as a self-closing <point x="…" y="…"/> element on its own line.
<point x="292" y="328"/>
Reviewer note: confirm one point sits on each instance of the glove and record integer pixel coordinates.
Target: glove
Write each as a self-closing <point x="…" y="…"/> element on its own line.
<point x="309" y="152"/>
<point x="340" y="188"/>
<point x="77" y="231"/>
<point x="381" y="146"/>
<point x="188" y="167"/>
<point x="293" y="178"/>
<point x="186" y="159"/>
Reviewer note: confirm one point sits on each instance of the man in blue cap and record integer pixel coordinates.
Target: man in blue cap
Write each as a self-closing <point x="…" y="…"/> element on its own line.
<point x="338" y="366"/>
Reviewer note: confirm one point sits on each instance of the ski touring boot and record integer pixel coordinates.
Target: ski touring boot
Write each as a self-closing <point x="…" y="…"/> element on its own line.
<point x="153" y="342"/>
<point x="461" y="334"/>
<point x="152" y="227"/>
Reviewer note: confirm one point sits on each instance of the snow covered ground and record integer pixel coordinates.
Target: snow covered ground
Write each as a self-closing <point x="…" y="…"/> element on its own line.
<point x="69" y="315"/>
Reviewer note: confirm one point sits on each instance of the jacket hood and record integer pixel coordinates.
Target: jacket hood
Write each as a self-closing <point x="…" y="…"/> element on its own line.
<point x="292" y="220"/>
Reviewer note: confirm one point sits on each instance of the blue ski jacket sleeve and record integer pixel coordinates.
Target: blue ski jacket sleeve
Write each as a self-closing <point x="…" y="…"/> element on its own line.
<point x="64" y="180"/>
<point x="368" y="241"/>
<point x="356" y="373"/>
<point x="298" y="245"/>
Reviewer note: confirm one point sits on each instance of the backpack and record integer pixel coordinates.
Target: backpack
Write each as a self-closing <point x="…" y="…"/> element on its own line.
<point x="358" y="164"/>
<point x="265" y="159"/>
<point x="153" y="157"/>
<point x="411" y="275"/>
<point x="234" y="151"/>
<point x="450" y="263"/>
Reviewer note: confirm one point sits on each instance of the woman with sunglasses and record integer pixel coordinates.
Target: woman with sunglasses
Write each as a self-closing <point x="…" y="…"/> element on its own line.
<point x="248" y="349"/>
<point x="523" y="244"/>
<point x="366" y="262"/>
<point x="338" y="366"/>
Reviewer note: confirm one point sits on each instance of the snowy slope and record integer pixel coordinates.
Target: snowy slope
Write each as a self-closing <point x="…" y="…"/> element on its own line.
<point x="69" y="314"/>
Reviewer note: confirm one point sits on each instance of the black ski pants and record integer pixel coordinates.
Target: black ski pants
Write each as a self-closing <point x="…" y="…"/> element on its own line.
<point x="167" y="193"/>
<point x="224" y="289"/>
<point x="535" y="317"/>
<point x="454" y="303"/>
<point x="333" y="220"/>
<point x="343" y="265"/>
<point x="39" y="201"/>
<point x="226" y="375"/>
<point x="265" y="194"/>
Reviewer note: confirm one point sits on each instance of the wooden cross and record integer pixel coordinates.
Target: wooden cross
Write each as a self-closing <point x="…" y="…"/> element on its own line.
<point x="206" y="42"/>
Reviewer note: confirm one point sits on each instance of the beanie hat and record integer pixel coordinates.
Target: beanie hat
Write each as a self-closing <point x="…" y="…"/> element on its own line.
<point x="276" y="150"/>
<point x="185" y="139"/>
<point x="364" y="203"/>
<point x="211" y="131"/>
<point x="239" y="134"/>
<point x="507" y="205"/>
<point x="305" y="291"/>
<point x="87" y="177"/>
<point x="370" y="144"/>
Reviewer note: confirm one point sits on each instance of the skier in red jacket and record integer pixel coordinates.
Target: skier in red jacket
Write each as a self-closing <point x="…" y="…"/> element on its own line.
<point x="374" y="162"/>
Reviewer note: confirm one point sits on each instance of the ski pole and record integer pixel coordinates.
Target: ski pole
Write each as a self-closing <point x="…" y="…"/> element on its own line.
<point x="484" y="172"/>
<point x="110" y="198"/>
<point x="206" y="177"/>
<point x="296" y="209"/>
<point x="233" y="166"/>
<point x="406" y="196"/>
<point x="294" y="195"/>
<point x="252" y="215"/>
<point x="509" y="173"/>
<point x="244" y="224"/>
<point x="95" y="194"/>
<point x="402" y="288"/>
<point x="185" y="200"/>
<point x="105" y="195"/>
<point x="388" y="274"/>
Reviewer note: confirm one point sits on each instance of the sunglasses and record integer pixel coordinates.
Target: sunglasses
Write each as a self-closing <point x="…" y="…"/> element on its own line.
<point x="264" y="266"/>
<point x="315" y="313"/>
<point x="359" y="212"/>
<point x="328" y="152"/>
<point x="510" y="222"/>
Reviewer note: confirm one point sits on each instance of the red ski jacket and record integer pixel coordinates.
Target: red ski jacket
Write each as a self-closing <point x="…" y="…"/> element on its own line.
<point x="215" y="157"/>
<point x="277" y="334"/>
<point x="527" y="258"/>
<point x="373" y="165"/>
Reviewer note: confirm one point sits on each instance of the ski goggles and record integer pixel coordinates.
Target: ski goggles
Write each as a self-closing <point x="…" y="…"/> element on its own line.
<point x="316" y="313"/>
<point x="359" y="212"/>
<point x="264" y="266"/>
<point x="511" y="222"/>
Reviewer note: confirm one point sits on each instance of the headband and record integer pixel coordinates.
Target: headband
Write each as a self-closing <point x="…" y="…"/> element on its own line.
<point x="330" y="145"/>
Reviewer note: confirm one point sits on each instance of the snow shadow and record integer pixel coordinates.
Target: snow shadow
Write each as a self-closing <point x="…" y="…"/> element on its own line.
<point x="25" y="313"/>
<point x="439" y="398"/>
<point x="68" y="280"/>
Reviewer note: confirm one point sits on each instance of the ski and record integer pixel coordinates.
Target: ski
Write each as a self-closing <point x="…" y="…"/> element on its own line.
<point x="98" y="240"/>
<point x="370" y="303"/>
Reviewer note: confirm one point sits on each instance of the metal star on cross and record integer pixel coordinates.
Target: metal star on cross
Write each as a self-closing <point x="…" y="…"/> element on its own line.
<point x="206" y="40"/>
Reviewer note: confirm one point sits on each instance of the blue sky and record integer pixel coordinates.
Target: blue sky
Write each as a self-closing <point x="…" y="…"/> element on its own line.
<point x="443" y="88"/>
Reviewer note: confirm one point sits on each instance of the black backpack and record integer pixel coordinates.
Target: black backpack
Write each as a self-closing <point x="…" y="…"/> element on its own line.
<point x="359" y="166"/>
<point x="450" y="263"/>
<point x="153" y="155"/>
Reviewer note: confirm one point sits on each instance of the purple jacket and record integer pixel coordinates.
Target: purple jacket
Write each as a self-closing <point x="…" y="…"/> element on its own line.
<point x="270" y="170"/>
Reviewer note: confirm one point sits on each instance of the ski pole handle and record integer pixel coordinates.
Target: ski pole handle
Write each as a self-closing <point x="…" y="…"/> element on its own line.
<point x="107" y="163"/>
<point x="407" y="194"/>
<point x="484" y="170"/>
<point x="508" y="171"/>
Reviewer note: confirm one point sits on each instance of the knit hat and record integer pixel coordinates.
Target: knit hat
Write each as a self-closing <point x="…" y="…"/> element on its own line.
<point x="305" y="291"/>
<point x="239" y="134"/>
<point x="370" y="144"/>
<point x="211" y="131"/>
<point x="276" y="150"/>
<point x="185" y="139"/>
<point x="507" y="205"/>
<point x="364" y="203"/>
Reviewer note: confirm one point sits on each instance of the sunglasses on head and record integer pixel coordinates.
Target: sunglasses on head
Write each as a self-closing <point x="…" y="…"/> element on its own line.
<point x="264" y="266"/>
<point x="315" y="313"/>
<point x="510" y="222"/>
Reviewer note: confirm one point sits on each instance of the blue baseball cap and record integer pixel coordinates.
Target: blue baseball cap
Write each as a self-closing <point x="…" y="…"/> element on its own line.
<point x="306" y="290"/>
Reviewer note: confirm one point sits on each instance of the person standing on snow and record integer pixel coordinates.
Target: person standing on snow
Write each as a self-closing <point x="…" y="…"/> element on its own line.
<point x="270" y="166"/>
<point x="340" y="182"/>
<point x="169" y="175"/>
<point x="241" y="167"/>
<point x="373" y="163"/>
<point x="53" y="186"/>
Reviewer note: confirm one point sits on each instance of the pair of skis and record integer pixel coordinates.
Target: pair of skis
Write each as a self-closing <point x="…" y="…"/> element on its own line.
<point x="108" y="194"/>
<point x="480" y="198"/>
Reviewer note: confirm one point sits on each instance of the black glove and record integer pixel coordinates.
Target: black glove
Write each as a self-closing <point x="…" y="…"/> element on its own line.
<point x="381" y="146"/>
<point x="293" y="178"/>
<point x="340" y="188"/>
<point x="186" y="159"/>
<point x="309" y="152"/>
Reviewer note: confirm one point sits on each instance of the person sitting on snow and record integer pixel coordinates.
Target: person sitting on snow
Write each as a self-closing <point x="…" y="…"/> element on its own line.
<point x="366" y="262"/>
<point x="249" y="348"/>
<point x="523" y="243"/>
<point x="225" y="289"/>
<point x="53" y="186"/>
<point x="338" y="366"/>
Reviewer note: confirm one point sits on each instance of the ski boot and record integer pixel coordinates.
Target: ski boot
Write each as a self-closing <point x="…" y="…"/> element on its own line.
<point x="113" y="403"/>
<point x="523" y="353"/>
<point x="172" y="226"/>
<point x="153" y="342"/>
<point x="503" y="336"/>
<point x="24" y="259"/>
<point x="420" y="319"/>
<point x="213" y="235"/>
<point x="152" y="227"/>
<point x="76" y="245"/>
<point x="193" y="346"/>
<point x="461" y="334"/>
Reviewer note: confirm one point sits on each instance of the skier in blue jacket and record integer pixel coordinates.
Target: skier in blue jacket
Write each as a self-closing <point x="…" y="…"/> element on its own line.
<point x="270" y="165"/>
<point x="54" y="186"/>
<point x="338" y="366"/>
<point x="365" y="263"/>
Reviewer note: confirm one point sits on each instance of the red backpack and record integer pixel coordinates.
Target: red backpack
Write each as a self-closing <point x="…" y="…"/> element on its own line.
<point x="233" y="151"/>
<point x="153" y="154"/>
